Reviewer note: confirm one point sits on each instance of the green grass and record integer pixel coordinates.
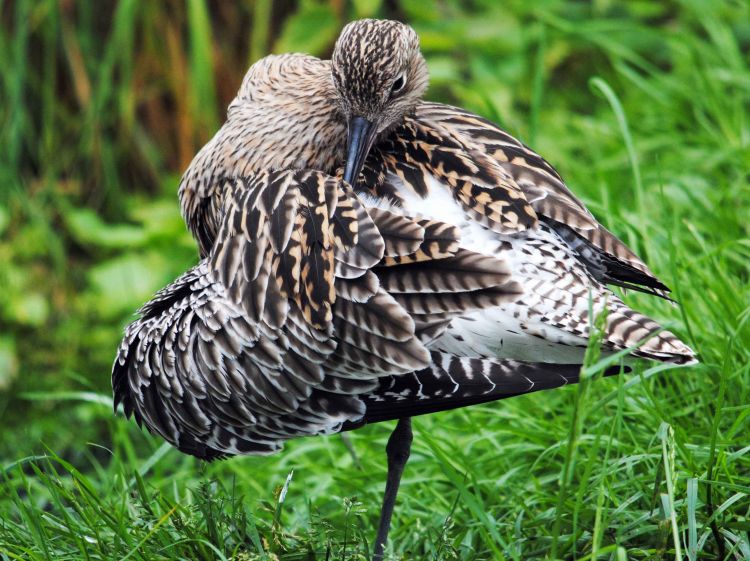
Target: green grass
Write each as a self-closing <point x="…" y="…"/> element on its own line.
<point x="642" y="106"/>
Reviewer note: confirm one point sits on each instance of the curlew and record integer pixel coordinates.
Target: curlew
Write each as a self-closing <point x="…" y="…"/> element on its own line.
<point x="369" y="256"/>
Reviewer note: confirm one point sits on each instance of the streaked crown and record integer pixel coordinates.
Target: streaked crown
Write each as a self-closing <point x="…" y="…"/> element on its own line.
<point x="378" y="70"/>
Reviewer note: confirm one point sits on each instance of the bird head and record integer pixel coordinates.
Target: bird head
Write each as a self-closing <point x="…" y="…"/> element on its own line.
<point x="379" y="75"/>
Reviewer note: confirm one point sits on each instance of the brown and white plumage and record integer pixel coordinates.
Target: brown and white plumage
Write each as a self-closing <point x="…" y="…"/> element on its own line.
<point x="319" y="306"/>
<point x="295" y="324"/>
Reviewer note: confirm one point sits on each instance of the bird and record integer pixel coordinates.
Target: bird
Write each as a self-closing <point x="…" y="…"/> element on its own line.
<point x="365" y="256"/>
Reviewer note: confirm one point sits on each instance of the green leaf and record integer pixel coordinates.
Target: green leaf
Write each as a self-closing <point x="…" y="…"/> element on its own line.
<point x="124" y="283"/>
<point x="203" y="88"/>
<point x="160" y="218"/>
<point x="312" y="29"/>
<point x="366" y="8"/>
<point x="30" y="309"/>
<point x="421" y="10"/>
<point x="8" y="362"/>
<point x="88" y="228"/>
<point x="4" y="219"/>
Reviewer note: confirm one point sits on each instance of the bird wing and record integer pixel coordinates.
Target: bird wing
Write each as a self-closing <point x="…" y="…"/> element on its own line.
<point x="305" y="301"/>
<point x="491" y="172"/>
<point x="450" y="166"/>
<point x="418" y="151"/>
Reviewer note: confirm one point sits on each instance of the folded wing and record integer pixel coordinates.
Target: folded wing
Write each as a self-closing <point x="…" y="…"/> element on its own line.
<point x="305" y="303"/>
<point x="507" y="170"/>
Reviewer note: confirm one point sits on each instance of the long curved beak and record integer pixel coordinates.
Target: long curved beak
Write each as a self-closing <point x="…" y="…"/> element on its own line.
<point x="359" y="140"/>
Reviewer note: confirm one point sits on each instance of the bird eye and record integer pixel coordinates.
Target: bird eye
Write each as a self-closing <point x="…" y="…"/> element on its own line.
<point x="399" y="84"/>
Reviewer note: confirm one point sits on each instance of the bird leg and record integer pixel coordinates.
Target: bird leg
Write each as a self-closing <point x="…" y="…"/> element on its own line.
<point x="397" y="450"/>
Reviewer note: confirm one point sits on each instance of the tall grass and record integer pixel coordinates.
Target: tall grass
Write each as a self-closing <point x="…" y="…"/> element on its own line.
<point x="643" y="108"/>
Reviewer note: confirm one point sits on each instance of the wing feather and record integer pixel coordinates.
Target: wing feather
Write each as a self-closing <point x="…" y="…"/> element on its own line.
<point x="540" y="186"/>
<point x="418" y="150"/>
<point x="225" y="359"/>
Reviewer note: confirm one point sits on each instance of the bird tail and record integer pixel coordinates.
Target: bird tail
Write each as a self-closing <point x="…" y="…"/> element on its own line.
<point x="451" y="382"/>
<point x="628" y="328"/>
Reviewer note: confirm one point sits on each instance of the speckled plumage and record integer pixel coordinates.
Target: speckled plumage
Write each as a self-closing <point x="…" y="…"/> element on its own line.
<point x="318" y="306"/>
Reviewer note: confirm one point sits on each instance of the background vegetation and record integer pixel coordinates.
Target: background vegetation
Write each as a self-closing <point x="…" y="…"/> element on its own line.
<point x="643" y="107"/>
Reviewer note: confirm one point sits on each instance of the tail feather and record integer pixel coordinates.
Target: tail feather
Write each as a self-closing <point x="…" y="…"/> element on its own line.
<point x="629" y="328"/>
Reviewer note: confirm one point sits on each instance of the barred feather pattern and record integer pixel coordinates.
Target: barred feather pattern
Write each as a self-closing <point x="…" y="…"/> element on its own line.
<point x="544" y="190"/>
<point x="462" y="381"/>
<point x="560" y="266"/>
<point x="318" y="306"/>
<point x="417" y="153"/>
<point x="264" y="340"/>
<point x="551" y="319"/>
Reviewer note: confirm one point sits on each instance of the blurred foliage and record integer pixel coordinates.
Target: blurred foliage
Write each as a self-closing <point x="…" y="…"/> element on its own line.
<point x="104" y="104"/>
